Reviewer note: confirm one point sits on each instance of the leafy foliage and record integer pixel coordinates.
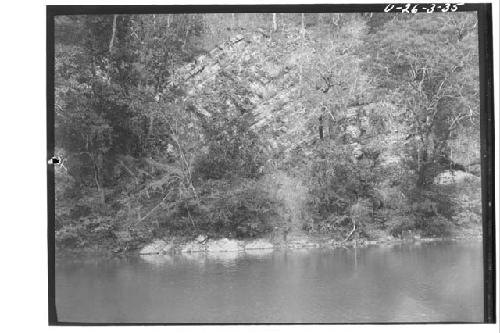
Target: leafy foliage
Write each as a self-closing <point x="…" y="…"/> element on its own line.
<point x="175" y="124"/>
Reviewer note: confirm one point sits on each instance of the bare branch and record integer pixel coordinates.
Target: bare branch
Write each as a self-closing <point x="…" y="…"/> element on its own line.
<point x="352" y="231"/>
<point x="113" y="34"/>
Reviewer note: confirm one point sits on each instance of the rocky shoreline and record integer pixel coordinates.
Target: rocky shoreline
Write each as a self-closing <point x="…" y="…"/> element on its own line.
<point x="204" y="245"/>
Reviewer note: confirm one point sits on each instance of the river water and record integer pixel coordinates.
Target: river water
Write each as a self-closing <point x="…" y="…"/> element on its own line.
<point x="428" y="282"/>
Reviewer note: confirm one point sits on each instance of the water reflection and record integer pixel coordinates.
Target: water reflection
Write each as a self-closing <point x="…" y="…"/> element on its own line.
<point x="158" y="260"/>
<point x="192" y="257"/>
<point x="227" y="259"/>
<point x="259" y="253"/>
<point x="406" y="282"/>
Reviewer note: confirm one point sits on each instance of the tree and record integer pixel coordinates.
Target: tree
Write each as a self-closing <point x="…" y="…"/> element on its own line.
<point x="107" y="79"/>
<point x="423" y="62"/>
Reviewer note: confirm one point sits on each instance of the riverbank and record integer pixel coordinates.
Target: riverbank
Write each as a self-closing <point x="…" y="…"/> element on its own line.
<point x="202" y="245"/>
<point x="161" y="247"/>
<point x="298" y="240"/>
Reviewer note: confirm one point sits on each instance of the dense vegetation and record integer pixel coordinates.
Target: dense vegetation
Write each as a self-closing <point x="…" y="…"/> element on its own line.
<point x="238" y="125"/>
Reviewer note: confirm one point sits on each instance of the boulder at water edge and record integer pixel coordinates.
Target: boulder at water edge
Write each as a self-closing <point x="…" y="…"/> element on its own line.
<point x="201" y="238"/>
<point x="258" y="244"/>
<point x="193" y="247"/>
<point x="157" y="247"/>
<point x="222" y="245"/>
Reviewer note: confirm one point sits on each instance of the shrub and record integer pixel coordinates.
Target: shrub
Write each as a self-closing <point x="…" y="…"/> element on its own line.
<point x="68" y="236"/>
<point x="88" y="230"/>
<point x="223" y="208"/>
<point x="243" y="211"/>
<point x="342" y="184"/>
<point x="432" y="208"/>
<point x="234" y="150"/>
<point x="399" y="224"/>
<point x="434" y="226"/>
<point x="438" y="226"/>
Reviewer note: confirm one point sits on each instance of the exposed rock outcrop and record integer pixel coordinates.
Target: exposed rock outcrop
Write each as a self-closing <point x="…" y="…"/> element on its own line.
<point x="454" y="177"/>
<point x="193" y="247"/>
<point x="222" y="245"/>
<point x="157" y="247"/>
<point x="301" y="242"/>
<point x="258" y="244"/>
<point x="202" y="238"/>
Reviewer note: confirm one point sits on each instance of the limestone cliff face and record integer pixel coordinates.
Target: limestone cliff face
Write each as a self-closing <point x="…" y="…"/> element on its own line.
<point x="292" y="85"/>
<point x="301" y="91"/>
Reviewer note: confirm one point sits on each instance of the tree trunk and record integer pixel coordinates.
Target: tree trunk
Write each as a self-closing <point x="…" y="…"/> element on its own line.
<point x="113" y="34"/>
<point x="96" y="179"/>
<point x="422" y="158"/>
<point x="321" y="127"/>
<point x="185" y="38"/>
<point x="303" y="27"/>
<point x="352" y="231"/>
<point x="300" y="77"/>
<point x="419" y="165"/>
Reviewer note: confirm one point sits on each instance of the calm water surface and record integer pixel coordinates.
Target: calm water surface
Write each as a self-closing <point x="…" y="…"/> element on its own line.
<point x="429" y="282"/>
